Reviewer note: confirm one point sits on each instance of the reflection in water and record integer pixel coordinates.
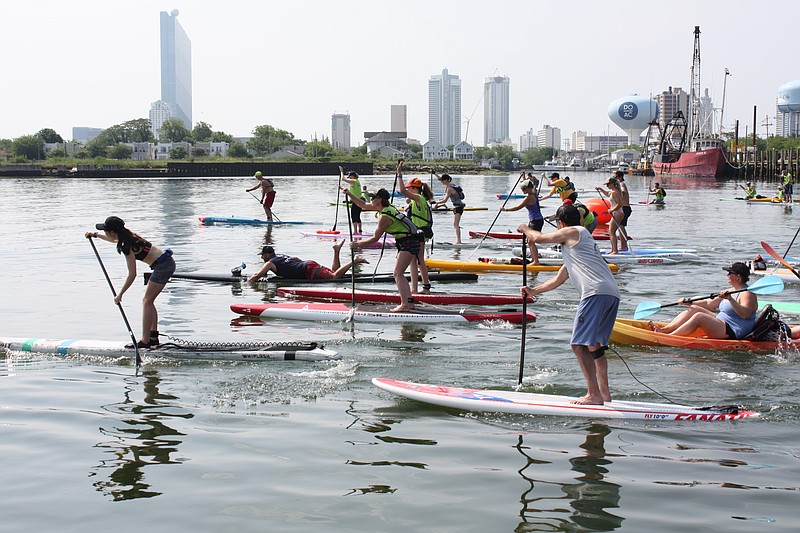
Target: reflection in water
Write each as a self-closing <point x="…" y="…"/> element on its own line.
<point x="139" y="437"/>
<point x="589" y="497"/>
<point x="411" y="332"/>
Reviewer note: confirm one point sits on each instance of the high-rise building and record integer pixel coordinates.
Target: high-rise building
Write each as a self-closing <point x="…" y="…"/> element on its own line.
<point x="340" y="131"/>
<point x="528" y="140"/>
<point x="176" y="68"/>
<point x="495" y="111"/>
<point x="399" y="119"/>
<point x="160" y="111"/>
<point x="549" y="136"/>
<point x="670" y="102"/>
<point x="444" y="109"/>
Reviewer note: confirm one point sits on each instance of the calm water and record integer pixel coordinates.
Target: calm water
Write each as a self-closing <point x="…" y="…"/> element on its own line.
<point x="90" y="443"/>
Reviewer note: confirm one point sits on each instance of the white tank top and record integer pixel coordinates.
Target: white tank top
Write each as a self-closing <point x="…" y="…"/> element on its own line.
<point x="587" y="268"/>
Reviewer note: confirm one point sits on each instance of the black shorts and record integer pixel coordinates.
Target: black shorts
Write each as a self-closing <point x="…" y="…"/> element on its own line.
<point x="458" y="209"/>
<point x="536" y="225"/>
<point x="411" y="243"/>
<point x="355" y="213"/>
<point x="626" y="214"/>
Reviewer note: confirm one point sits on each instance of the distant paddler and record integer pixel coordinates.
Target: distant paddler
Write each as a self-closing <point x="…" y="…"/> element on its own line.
<point x="267" y="193"/>
<point x="531" y="203"/>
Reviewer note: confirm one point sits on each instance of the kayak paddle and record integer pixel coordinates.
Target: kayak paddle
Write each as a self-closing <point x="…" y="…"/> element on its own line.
<point x="771" y="251"/>
<point x="765" y="285"/>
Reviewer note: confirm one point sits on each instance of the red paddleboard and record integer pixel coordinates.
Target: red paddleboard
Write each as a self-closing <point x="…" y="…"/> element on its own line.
<point x="318" y="311"/>
<point x="495" y="235"/>
<point x="393" y="297"/>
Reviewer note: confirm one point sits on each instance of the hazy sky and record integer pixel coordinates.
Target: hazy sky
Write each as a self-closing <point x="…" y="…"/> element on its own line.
<point x="293" y="64"/>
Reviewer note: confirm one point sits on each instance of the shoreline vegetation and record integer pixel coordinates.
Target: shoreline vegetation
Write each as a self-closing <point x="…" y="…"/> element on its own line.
<point x="126" y="168"/>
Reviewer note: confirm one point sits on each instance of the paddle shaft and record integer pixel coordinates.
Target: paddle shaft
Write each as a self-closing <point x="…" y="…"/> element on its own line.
<point x="259" y="201"/>
<point x="338" y="196"/>
<point x="524" y="309"/>
<point x="121" y="310"/>
<point x="508" y="197"/>
<point x="352" y="262"/>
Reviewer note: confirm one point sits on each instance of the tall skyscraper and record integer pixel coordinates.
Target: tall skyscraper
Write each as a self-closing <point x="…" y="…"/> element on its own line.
<point x="340" y="131"/>
<point x="399" y="119"/>
<point x="444" y="109"/>
<point x="176" y="68"/>
<point x="670" y="102"/>
<point x="495" y="111"/>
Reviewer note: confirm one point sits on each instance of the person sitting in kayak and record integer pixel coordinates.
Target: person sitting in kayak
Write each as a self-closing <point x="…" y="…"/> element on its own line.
<point x="599" y="298"/>
<point x="295" y="268"/>
<point x="535" y="218"/>
<point x="749" y="191"/>
<point x="736" y="316"/>
<point x="407" y="238"/>
<point x="561" y="186"/>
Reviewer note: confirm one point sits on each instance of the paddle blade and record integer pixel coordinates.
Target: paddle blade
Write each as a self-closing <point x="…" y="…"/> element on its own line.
<point x="646" y="309"/>
<point x="767" y="285"/>
<point x="771" y="251"/>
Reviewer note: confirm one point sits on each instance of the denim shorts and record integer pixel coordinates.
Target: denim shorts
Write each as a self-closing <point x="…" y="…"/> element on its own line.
<point x="162" y="269"/>
<point x="594" y="320"/>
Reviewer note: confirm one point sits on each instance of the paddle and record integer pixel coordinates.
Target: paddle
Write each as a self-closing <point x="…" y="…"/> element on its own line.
<point x="259" y="201"/>
<point x="486" y="234"/>
<point x="338" y="196"/>
<point x="524" y="307"/>
<point x="121" y="310"/>
<point x="398" y="173"/>
<point x="765" y="285"/>
<point x="351" y="315"/>
<point x="771" y="251"/>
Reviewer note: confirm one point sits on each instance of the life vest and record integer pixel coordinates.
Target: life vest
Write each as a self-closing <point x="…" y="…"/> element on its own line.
<point x="401" y="226"/>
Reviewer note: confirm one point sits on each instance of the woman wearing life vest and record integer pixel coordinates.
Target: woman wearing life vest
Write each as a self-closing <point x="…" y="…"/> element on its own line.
<point x="535" y="217"/>
<point x="419" y="211"/>
<point x="454" y="193"/>
<point x="407" y="238"/>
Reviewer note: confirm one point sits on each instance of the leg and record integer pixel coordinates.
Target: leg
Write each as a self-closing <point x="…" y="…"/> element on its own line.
<point x="423" y="271"/>
<point x="414" y="271"/>
<point x="337" y="248"/>
<point x="457" y="226"/>
<point x="149" y="311"/>
<point x="590" y="370"/>
<point x="680" y="320"/>
<point x="612" y="234"/>
<point x="711" y="325"/>
<point x="401" y="264"/>
<point x="534" y="252"/>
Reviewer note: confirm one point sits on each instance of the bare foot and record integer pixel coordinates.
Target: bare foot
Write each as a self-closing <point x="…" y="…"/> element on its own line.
<point x="400" y="309"/>
<point x="338" y="245"/>
<point x="587" y="400"/>
<point x="360" y="260"/>
<point x="653" y="326"/>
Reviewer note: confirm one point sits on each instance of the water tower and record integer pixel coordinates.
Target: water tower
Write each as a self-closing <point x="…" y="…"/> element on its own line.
<point x="788" y="103"/>
<point x="632" y="114"/>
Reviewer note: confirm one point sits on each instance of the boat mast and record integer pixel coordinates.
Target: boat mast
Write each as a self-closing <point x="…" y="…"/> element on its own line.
<point x="694" y="96"/>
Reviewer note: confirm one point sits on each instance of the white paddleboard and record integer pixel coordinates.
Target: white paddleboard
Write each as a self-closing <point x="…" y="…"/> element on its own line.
<point x="498" y="401"/>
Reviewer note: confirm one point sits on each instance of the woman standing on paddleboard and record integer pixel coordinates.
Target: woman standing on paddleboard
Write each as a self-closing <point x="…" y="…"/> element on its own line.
<point x="419" y="210"/>
<point x="455" y="194"/>
<point x="135" y="247"/>
<point x="407" y="238"/>
<point x="535" y="217"/>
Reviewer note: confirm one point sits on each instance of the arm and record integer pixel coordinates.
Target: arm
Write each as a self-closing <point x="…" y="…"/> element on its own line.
<point x="131" y="262"/>
<point x="552" y="283"/>
<point x="262" y="273"/>
<point x="96" y="235"/>
<point x="565" y="236"/>
<point x="745" y="306"/>
<point x="254" y="187"/>
<point x="603" y="191"/>
<point x="517" y="207"/>
<point x="446" y="197"/>
<point x="356" y="200"/>
<point x="383" y="223"/>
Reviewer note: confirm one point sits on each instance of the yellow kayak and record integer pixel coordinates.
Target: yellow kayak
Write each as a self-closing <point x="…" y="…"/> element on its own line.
<point x="480" y="266"/>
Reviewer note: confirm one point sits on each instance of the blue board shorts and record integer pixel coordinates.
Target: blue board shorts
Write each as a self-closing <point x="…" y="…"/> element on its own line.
<point x="594" y="320"/>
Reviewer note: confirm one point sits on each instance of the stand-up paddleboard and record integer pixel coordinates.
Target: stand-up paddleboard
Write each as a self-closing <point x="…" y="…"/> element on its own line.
<point x="450" y="209"/>
<point x="616" y="259"/>
<point x="784" y="273"/>
<point x="597" y="235"/>
<point x="211" y="221"/>
<point x="672" y="253"/>
<point x="480" y="266"/>
<point x="783" y="307"/>
<point x="497" y="401"/>
<point x="360" y="278"/>
<point x="336" y="235"/>
<point x="318" y="311"/>
<point x="262" y="351"/>
<point x="394" y="297"/>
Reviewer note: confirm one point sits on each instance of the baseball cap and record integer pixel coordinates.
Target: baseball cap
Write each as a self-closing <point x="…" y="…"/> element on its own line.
<point x="738" y="268"/>
<point x="554" y="175"/>
<point x="267" y="250"/>
<point x="414" y="182"/>
<point x="112" y="223"/>
<point x="352" y="173"/>
<point x="612" y="181"/>
<point x="381" y="193"/>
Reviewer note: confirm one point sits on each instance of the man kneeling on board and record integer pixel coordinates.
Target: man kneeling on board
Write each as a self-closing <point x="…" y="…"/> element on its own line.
<point x="599" y="297"/>
<point x="295" y="268"/>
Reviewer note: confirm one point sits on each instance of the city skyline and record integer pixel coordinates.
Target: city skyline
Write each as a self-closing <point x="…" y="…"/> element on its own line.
<point x="103" y="70"/>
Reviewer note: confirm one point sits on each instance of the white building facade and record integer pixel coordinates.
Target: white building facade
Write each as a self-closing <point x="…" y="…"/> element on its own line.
<point x="496" y="111"/>
<point x="444" y="109"/>
<point x="340" y="131"/>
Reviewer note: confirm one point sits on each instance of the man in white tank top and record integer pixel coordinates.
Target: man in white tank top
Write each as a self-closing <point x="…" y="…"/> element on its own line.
<point x="599" y="297"/>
